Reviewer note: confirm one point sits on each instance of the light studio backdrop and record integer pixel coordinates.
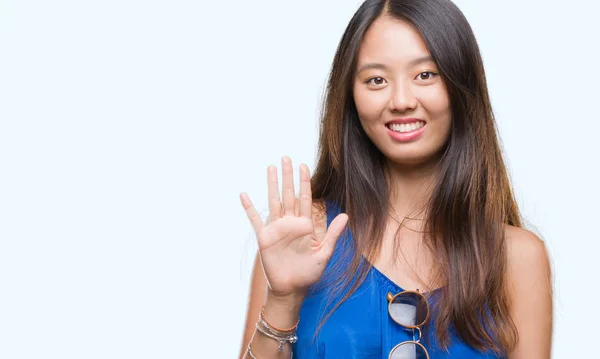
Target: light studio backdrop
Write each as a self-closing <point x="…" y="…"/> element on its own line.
<point x="129" y="128"/>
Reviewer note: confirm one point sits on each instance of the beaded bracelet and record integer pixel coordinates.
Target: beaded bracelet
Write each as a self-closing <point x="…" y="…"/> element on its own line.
<point x="272" y="330"/>
<point x="289" y="330"/>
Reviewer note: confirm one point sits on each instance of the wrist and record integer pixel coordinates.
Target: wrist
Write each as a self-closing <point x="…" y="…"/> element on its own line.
<point x="282" y="311"/>
<point x="291" y="302"/>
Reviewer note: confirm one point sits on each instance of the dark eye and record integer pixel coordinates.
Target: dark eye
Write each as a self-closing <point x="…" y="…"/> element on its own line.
<point x="428" y="75"/>
<point x="376" y="81"/>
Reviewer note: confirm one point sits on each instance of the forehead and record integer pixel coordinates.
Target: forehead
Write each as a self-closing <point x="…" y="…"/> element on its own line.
<point x="391" y="40"/>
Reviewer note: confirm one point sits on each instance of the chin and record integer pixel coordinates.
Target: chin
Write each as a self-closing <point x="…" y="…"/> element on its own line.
<point x="412" y="159"/>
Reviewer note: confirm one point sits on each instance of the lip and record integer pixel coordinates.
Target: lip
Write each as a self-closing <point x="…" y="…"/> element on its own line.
<point x="404" y="120"/>
<point x="406" y="136"/>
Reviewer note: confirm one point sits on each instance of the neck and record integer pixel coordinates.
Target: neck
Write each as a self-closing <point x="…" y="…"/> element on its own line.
<point x="410" y="186"/>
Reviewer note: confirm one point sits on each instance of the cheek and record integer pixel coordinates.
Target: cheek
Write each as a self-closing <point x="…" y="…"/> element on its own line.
<point x="437" y="103"/>
<point x="369" y="104"/>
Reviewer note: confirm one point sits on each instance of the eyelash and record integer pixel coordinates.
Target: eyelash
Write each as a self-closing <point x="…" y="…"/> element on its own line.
<point x="433" y="74"/>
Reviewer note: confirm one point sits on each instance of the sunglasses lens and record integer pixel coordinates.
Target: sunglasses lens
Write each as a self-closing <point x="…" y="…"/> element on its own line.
<point x="408" y="350"/>
<point x="409" y="309"/>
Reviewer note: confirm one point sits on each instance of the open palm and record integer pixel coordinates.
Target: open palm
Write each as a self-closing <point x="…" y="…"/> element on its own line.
<point x="294" y="250"/>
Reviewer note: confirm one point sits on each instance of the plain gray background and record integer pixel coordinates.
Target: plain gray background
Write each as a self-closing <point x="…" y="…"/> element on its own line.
<point x="129" y="128"/>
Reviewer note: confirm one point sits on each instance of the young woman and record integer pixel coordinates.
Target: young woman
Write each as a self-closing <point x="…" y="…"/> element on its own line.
<point x="407" y="240"/>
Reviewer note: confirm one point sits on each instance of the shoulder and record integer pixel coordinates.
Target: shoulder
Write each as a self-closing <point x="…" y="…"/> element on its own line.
<point x="526" y="252"/>
<point x="529" y="289"/>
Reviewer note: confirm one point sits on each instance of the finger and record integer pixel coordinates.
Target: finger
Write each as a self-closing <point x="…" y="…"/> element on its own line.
<point x="333" y="232"/>
<point x="253" y="216"/>
<point x="296" y="207"/>
<point x="305" y="195"/>
<point x="273" y="193"/>
<point x="288" y="193"/>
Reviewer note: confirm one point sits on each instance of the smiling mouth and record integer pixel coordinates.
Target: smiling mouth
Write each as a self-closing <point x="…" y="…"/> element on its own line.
<point x="406" y="127"/>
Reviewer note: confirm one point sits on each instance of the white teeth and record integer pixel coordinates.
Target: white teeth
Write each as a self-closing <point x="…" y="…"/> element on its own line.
<point x="406" y="127"/>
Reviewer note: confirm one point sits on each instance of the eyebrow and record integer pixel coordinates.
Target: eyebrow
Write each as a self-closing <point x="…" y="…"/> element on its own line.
<point x="376" y="65"/>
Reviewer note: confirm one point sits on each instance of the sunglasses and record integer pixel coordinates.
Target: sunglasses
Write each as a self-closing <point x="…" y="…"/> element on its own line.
<point x="410" y="309"/>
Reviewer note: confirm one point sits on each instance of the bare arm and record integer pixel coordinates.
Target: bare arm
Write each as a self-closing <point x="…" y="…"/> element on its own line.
<point x="282" y="313"/>
<point x="258" y="290"/>
<point x="530" y="290"/>
<point x="294" y="248"/>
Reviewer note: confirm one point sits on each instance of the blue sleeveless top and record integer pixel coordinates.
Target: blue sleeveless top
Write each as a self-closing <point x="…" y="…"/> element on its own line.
<point x="361" y="326"/>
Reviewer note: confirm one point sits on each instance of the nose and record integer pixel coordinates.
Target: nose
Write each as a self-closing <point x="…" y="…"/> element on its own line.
<point x="402" y="98"/>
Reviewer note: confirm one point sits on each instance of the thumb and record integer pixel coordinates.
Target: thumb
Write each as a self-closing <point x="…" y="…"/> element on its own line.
<point x="333" y="232"/>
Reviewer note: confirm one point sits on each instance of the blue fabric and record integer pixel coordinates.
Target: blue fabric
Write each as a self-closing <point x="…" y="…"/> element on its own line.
<point x="361" y="327"/>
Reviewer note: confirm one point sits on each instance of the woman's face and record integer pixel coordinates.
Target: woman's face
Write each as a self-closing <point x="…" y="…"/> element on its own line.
<point x="401" y="100"/>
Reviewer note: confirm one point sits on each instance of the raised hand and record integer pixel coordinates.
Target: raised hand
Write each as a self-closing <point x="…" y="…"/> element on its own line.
<point x="294" y="249"/>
